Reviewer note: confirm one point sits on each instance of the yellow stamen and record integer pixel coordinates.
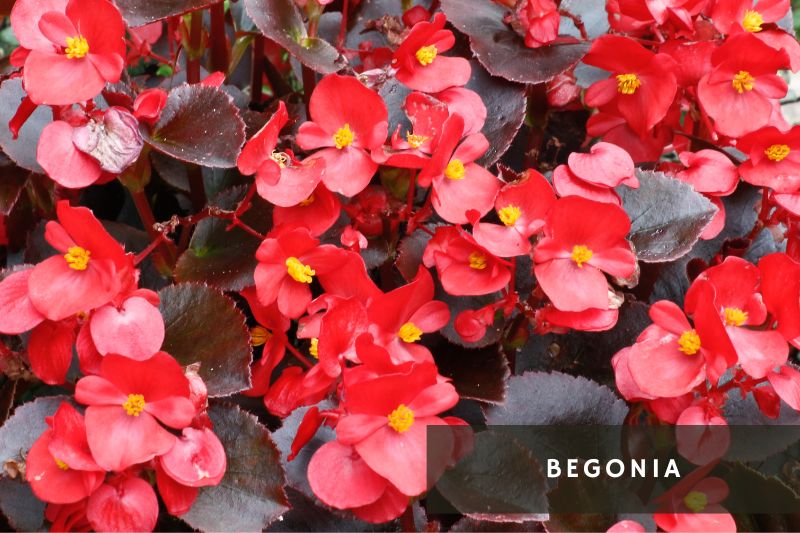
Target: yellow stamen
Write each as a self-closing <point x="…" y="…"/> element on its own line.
<point x="298" y="271"/>
<point x="61" y="464"/>
<point x="426" y="55"/>
<point x="77" y="258"/>
<point x="401" y="418"/>
<point x="134" y="404"/>
<point x="734" y="316"/>
<point x="581" y="254"/>
<point x="77" y="47"/>
<point x="281" y="158"/>
<point x="628" y="83"/>
<point x="414" y="140"/>
<point x="343" y="137"/>
<point x="259" y="336"/>
<point x="509" y="214"/>
<point x="752" y="21"/>
<point x="689" y="342"/>
<point x="696" y="501"/>
<point x="777" y="152"/>
<point x="455" y="170"/>
<point x="409" y="332"/>
<point x="743" y="81"/>
<point x="477" y="261"/>
<point x="314" y="348"/>
<point x="308" y="201"/>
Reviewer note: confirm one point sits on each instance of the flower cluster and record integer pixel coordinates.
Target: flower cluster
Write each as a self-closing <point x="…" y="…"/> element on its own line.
<point x="88" y="465"/>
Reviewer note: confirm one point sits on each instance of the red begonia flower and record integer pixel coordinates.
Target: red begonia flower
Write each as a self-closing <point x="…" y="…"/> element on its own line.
<point x="780" y="288"/>
<point x="606" y="165"/>
<point x="126" y="401"/>
<point x="786" y="384"/>
<point x="739" y="306"/>
<point x="76" y="47"/>
<point x="626" y="526"/>
<point x="123" y="504"/>
<point x="196" y="460"/>
<point x="148" y="105"/>
<point x="773" y="159"/>
<point x="668" y="359"/>
<point x="133" y="328"/>
<point x="642" y="85"/>
<point x="614" y="129"/>
<point x="521" y="207"/>
<point x="582" y="239"/>
<point x="566" y="183"/>
<point x="59" y="465"/>
<point x="540" y="20"/>
<point x="50" y="350"/>
<point x="319" y="211"/>
<point x="280" y="178"/>
<point x="709" y="172"/>
<point x="471" y="324"/>
<point x="400" y="317"/>
<point x="549" y="319"/>
<point x="68" y="517"/>
<point x="288" y="260"/>
<point x="689" y="517"/>
<point x="740" y="90"/>
<point x="419" y="63"/>
<point x="89" y="272"/>
<point x="386" y="423"/>
<point x="178" y="498"/>
<point x="347" y="120"/>
<point x="459" y="184"/>
<point x="465" y="268"/>
<point x="17" y="312"/>
<point x="61" y="159"/>
<point x="271" y="334"/>
<point x="735" y="16"/>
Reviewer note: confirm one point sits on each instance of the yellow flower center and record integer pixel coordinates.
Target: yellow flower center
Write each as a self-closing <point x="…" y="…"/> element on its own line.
<point x="401" y="418"/>
<point x="509" y="214"/>
<point x="696" y="501"/>
<point x="743" y="81"/>
<point x="454" y="170"/>
<point x="314" y="348"/>
<point x="628" y="83"/>
<point x="752" y="21"/>
<point x="415" y="140"/>
<point x="426" y="55"/>
<point x="298" y="271"/>
<point x="61" y="464"/>
<point x="77" y="47"/>
<point x="581" y="254"/>
<point x="689" y="342"/>
<point x="477" y="261"/>
<point x="281" y="158"/>
<point x="134" y="404"/>
<point x="308" y="201"/>
<point x="259" y="336"/>
<point x="734" y="316"/>
<point x="343" y="137"/>
<point x="409" y="332"/>
<point x="777" y="152"/>
<point x="77" y="258"/>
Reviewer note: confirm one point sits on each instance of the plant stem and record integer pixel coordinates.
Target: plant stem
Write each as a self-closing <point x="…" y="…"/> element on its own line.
<point x="257" y="70"/>
<point x="194" y="53"/>
<point x="218" y="39"/>
<point x="343" y="26"/>
<point x="300" y="357"/>
<point x="197" y="189"/>
<point x="165" y="255"/>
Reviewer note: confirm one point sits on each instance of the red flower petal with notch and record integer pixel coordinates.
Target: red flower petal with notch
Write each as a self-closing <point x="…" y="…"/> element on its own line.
<point x="76" y="47"/>
<point x="123" y="503"/>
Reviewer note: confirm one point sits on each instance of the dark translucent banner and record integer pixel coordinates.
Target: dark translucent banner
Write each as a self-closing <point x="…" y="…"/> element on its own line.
<point x="536" y="470"/>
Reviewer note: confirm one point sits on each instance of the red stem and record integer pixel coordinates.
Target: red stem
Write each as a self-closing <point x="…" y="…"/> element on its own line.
<point x="300" y="357"/>
<point x="343" y="26"/>
<point x="194" y="53"/>
<point x="218" y="39"/>
<point x="257" y="72"/>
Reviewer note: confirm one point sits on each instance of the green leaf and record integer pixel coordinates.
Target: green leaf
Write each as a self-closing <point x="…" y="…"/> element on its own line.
<point x="199" y="125"/>
<point x="250" y="495"/>
<point x="225" y="259"/>
<point x="204" y="326"/>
